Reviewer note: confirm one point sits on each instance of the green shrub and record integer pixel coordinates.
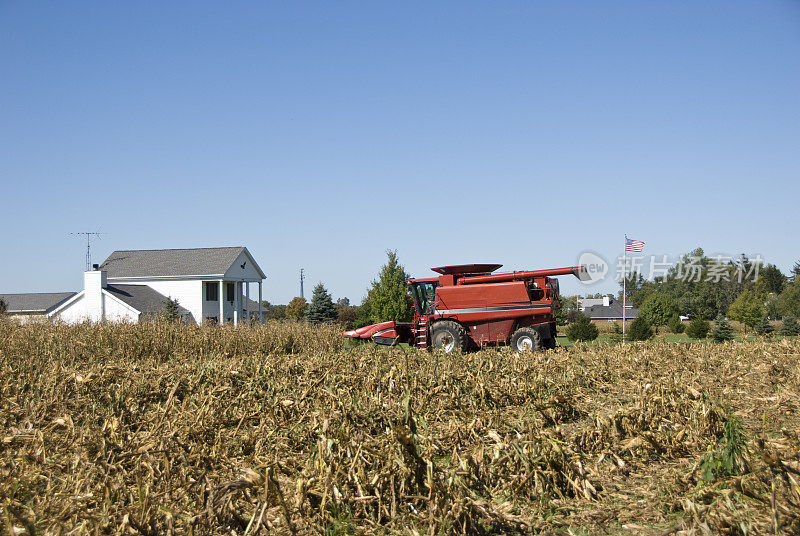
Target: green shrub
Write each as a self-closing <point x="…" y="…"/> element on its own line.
<point x="615" y="335"/>
<point x="640" y="330"/>
<point x="675" y="325"/>
<point x="722" y="330"/>
<point x="698" y="328"/>
<point x="726" y="458"/>
<point x="582" y="329"/>
<point x="790" y="327"/>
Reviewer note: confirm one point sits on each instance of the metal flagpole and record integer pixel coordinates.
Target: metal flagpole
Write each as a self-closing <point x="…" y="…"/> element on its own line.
<point x="624" y="277"/>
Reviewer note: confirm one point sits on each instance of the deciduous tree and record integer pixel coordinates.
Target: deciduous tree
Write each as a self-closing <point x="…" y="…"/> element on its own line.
<point x="346" y="314"/>
<point x="789" y="299"/>
<point x="747" y="308"/>
<point x="658" y="308"/>
<point x="296" y="308"/>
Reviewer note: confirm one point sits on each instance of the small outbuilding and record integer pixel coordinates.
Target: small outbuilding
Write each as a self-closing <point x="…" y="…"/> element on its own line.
<point x="33" y="306"/>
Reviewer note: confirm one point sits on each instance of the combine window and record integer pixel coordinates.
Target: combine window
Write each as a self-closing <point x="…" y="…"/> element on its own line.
<point x="423" y="294"/>
<point x="552" y="287"/>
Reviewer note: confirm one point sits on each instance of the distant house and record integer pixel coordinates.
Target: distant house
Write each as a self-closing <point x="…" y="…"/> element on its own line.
<point x="607" y="309"/>
<point x="210" y="284"/>
<point x="33" y="306"/>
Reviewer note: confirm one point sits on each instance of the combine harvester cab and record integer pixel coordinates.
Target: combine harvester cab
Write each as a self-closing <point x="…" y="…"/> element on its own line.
<point x="469" y="306"/>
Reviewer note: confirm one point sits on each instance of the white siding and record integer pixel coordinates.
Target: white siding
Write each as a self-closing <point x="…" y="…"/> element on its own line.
<point x="189" y="294"/>
<point x="248" y="273"/>
<point x="78" y="311"/>
<point x="117" y="310"/>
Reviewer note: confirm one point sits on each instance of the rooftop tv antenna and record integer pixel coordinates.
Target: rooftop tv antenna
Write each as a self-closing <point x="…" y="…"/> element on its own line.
<point x="88" y="235"/>
<point x="302" y="276"/>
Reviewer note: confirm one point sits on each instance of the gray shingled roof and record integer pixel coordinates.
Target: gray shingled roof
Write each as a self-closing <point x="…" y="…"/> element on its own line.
<point x="34" y="303"/>
<point x="170" y="262"/>
<point x="611" y="311"/>
<point x="142" y="298"/>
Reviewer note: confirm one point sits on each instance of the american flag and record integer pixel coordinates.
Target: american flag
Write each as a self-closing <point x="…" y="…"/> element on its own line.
<point x="633" y="245"/>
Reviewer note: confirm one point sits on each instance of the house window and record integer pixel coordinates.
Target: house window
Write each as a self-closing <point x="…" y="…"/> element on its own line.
<point x="212" y="291"/>
<point x="229" y="292"/>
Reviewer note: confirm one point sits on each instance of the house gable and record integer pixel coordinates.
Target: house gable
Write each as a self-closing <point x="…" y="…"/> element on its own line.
<point x="75" y="309"/>
<point x="244" y="268"/>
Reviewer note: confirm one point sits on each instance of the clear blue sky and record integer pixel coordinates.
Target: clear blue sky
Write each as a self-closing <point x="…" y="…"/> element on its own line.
<point x="319" y="134"/>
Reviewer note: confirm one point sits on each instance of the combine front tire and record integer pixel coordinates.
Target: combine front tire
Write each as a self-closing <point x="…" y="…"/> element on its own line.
<point x="448" y="336"/>
<point x="526" y="339"/>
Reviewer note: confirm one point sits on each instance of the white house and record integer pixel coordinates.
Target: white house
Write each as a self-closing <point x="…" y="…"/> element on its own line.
<point x="210" y="284"/>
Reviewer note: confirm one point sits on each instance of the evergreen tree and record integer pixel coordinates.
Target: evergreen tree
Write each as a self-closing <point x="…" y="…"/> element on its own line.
<point x="388" y="297"/>
<point x="321" y="308"/>
<point x="640" y="330"/>
<point x="698" y="328"/>
<point x="771" y="279"/>
<point x="790" y="327"/>
<point x="582" y="329"/>
<point x="722" y="330"/>
<point x="296" y="308"/>
<point x="171" y="312"/>
<point x="3" y="307"/>
<point x="764" y="327"/>
<point x="616" y="333"/>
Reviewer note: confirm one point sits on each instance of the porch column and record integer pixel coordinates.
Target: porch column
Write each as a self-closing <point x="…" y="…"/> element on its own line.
<point x="221" y="297"/>
<point x="236" y="300"/>
<point x="247" y="301"/>
<point x="260" y="317"/>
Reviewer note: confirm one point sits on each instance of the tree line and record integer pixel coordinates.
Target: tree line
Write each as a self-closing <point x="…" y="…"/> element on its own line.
<point x="705" y="290"/>
<point x="386" y="299"/>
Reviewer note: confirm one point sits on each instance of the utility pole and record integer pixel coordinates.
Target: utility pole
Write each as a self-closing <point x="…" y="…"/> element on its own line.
<point x="89" y="236"/>
<point x="302" y="276"/>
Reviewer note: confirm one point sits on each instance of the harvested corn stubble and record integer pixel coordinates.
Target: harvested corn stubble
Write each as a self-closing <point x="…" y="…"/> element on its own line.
<point x="167" y="429"/>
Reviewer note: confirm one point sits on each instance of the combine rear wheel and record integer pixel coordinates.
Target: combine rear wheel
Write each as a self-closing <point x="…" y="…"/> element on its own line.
<point x="526" y="339"/>
<point x="448" y="336"/>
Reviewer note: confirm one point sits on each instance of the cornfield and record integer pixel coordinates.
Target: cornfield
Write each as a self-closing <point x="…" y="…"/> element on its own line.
<point x="158" y="428"/>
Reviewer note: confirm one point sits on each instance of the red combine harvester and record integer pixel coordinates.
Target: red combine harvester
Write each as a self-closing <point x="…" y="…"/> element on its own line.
<point x="468" y="306"/>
